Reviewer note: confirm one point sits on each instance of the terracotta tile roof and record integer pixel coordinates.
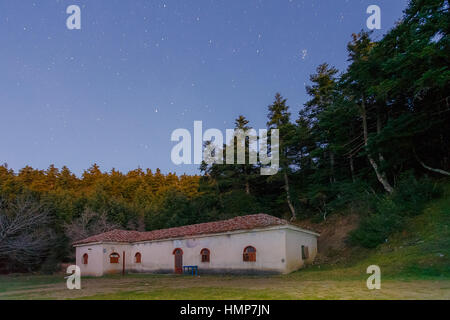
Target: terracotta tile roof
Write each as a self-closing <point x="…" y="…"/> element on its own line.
<point x="238" y="223"/>
<point x="112" y="236"/>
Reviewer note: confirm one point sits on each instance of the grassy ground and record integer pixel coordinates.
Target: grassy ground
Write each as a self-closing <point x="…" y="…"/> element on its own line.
<point x="415" y="264"/>
<point x="221" y="287"/>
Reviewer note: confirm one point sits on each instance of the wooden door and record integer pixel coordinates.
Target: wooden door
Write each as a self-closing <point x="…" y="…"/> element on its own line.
<point x="178" y="253"/>
<point x="123" y="263"/>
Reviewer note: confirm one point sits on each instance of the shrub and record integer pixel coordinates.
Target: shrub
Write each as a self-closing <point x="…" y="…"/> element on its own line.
<point x="324" y="200"/>
<point x="375" y="229"/>
<point x="411" y="194"/>
<point x="350" y="195"/>
<point x="389" y="212"/>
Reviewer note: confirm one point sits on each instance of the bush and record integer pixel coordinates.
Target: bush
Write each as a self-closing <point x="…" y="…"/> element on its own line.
<point x="375" y="229"/>
<point x="341" y="196"/>
<point x="389" y="212"/>
<point x="352" y="195"/>
<point x="411" y="194"/>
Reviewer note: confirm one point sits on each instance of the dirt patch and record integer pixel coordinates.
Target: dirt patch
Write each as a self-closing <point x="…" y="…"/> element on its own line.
<point x="334" y="231"/>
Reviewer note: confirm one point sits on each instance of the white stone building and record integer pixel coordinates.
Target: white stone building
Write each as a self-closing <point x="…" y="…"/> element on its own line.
<point x="248" y="244"/>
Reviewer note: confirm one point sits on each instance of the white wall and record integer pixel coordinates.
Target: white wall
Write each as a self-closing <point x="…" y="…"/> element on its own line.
<point x="226" y="253"/>
<point x="278" y="250"/>
<point x="111" y="268"/>
<point x="294" y="241"/>
<point x="95" y="260"/>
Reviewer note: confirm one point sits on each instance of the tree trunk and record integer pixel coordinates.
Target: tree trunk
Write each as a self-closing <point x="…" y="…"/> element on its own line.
<point x="332" y="178"/>
<point x="288" y="196"/>
<point x="352" y="169"/>
<point x="381" y="177"/>
<point x="246" y="177"/>
<point x="380" y="156"/>
<point x="445" y="173"/>
<point x="247" y="188"/>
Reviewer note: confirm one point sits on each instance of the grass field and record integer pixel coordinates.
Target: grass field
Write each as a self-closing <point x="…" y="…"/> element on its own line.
<point x="294" y="286"/>
<point x="415" y="264"/>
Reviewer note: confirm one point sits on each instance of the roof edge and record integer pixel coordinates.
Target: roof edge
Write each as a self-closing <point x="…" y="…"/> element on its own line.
<point x="275" y="227"/>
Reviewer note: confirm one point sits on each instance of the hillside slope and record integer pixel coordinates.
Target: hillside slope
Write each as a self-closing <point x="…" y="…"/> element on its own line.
<point x="421" y="250"/>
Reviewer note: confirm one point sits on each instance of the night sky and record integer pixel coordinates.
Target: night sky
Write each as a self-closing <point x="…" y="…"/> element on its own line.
<point x="113" y="92"/>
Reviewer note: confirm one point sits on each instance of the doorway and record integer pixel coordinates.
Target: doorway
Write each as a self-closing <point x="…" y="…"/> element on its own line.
<point x="178" y="253"/>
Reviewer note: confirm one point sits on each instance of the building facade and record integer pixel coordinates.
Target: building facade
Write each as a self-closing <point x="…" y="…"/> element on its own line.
<point x="249" y="244"/>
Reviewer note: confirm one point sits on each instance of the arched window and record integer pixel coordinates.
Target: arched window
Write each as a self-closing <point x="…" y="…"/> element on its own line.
<point x="137" y="257"/>
<point x="249" y="254"/>
<point x="178" y="251"/>
<point x="85" y="258"/>
<point x="205" y="255"/>
<point x="114" y="257"/>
